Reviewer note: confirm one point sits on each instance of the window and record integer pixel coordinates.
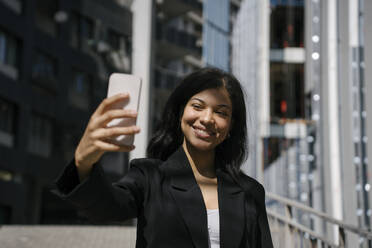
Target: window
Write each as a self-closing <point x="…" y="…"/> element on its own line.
<point x="15" y="5"/>
<point x="80" y="90"/>
<point x="121" y="50"/>
<point x="9" y="54"/>
<point x="287" y="24"/>
<point x="40" y="140"/>
<point x="287" y="98"/>
<point x="82" y="31"/>
<point x="44" y="16"/>
<point x="7" y="123"/>
<point x="116" y="40"/>
<point x="44" y="71"/>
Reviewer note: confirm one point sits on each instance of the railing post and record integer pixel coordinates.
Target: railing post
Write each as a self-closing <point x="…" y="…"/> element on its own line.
<point x="313" y="243"/>
<point x="341" y="237"/>
<point x="289" y="230"/>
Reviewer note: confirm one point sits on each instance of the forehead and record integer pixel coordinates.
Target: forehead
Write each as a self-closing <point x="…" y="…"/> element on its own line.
<point x="215" y="96"/>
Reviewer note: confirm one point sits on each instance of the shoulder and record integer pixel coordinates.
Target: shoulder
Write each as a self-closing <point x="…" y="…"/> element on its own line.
<point x="252" y="187"/>
<point x="251" y="183"/>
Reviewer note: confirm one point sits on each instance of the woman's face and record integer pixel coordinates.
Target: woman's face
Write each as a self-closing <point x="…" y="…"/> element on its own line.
<point x="206" y="119"/>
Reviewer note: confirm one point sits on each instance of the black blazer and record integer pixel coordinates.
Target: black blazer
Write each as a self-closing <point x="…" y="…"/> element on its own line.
<point x="169" y="204"/>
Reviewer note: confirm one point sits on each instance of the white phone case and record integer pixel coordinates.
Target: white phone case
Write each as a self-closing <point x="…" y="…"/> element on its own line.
<point x="124" y="83"/>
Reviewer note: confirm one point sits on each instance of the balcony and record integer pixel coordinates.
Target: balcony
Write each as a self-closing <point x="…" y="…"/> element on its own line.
<point x="165" y="79"/>
<point x="14" y="5"/>
<point x="173" y="8"/>
<point x="173" y="43"/>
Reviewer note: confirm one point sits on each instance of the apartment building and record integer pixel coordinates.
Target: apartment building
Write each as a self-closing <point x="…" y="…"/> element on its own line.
<point x="55" y="58"/>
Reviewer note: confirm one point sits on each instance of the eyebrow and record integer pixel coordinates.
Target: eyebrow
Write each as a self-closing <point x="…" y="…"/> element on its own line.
<point x="219" y="105"/>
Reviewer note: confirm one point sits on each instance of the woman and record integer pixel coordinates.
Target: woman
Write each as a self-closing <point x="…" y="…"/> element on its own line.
<point x="190" y="192"/>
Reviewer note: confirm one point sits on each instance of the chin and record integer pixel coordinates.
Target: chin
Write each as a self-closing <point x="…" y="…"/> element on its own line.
<point x="201" y="145"/>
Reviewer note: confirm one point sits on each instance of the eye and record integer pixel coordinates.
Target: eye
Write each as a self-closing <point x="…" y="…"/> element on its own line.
<point x="197" y="106"/>
<point x="223" y="113"/>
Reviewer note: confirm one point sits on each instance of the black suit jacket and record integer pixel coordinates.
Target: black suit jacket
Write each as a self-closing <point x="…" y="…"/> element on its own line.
<point x="169" y="204"/>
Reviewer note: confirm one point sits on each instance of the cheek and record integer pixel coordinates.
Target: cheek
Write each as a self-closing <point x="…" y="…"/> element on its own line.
<point x="189" y="116"/>
<point x="224" y="127"/>
<point x="185" y="119"/>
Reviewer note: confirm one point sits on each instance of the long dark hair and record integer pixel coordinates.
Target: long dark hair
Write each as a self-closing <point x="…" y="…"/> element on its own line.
<point x="233" y="150"/>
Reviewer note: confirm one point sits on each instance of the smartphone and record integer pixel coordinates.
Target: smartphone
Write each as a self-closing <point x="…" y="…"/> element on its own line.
<point x="124" y="83"/>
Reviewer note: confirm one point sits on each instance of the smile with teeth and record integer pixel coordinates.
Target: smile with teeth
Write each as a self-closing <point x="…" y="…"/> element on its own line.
<point x="203" y="133"/>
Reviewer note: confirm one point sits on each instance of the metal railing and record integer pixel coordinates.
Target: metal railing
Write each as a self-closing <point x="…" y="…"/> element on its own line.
<point x="296" y="233"/>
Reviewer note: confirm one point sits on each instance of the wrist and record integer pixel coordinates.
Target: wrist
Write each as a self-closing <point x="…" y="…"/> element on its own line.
<point x="80" y="163"/>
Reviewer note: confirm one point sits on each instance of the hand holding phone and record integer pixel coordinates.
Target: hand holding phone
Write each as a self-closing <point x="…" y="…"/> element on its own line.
<point x="124" y="83"/>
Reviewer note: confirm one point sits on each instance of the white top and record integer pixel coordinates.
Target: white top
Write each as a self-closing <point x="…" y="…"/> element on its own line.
<point x="214" y="228"/>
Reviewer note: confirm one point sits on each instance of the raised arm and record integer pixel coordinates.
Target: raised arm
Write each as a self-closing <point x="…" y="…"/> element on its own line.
<point x="96" y="138"/>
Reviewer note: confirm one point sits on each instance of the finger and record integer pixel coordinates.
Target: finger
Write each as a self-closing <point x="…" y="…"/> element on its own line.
<point x="102" y="120"/>
<point x="107" y="102"/>
<point x="110" y="147"/>
<point x="104" y="133"/>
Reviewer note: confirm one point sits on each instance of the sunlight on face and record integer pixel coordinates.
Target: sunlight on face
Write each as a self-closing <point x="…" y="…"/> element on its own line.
<point x="206" y="119"/>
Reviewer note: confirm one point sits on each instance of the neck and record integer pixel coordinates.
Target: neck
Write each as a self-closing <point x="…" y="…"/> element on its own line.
<point x="202" y="162"/>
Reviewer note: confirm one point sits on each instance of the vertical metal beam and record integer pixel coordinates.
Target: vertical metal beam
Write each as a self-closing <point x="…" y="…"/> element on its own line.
<point x="264" y="85"/>
<point x="347" y="30"/>
<point x="313" y="21"/>
<point x="368" y="82"/>
<point x="330" y="115"/>
<point x="142" y="37"/>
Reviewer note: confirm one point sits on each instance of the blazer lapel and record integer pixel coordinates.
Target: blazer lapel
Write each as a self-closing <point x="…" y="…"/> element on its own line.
<point x="231" y="208"/>
<point x="188" y="197"/>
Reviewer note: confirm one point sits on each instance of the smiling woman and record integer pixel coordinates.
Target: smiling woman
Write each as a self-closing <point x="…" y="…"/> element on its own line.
<point x="190" y="192"/>
<point x="206" y="119"/>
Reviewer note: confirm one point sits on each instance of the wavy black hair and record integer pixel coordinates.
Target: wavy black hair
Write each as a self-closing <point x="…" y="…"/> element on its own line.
<point x="233" y="150"/>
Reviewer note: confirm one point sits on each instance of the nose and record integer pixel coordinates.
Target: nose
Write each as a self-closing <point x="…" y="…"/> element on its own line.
<point x="207" y="117"/>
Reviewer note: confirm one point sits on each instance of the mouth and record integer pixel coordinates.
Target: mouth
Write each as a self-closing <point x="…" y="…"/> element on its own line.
<point x="202" y="132"/>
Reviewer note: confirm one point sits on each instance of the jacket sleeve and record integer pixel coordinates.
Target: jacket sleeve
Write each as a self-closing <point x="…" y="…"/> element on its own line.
<point x="100" y="200"/>
<point x="264" y="235"/>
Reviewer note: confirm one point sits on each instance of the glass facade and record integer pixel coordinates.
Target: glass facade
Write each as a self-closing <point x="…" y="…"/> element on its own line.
<point x="7" y="123"/>
<point x="9" y="54"/>
<point x="44" y="71"/>
<point x="216" y="33"/>
<point x="287" y="91"/>
<point x="40" y="138"/>
<point x="8" y="49"/>
<point x="287" y="24"/>
<point x="80" y="90"/>
<point x="81" y="31"/>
